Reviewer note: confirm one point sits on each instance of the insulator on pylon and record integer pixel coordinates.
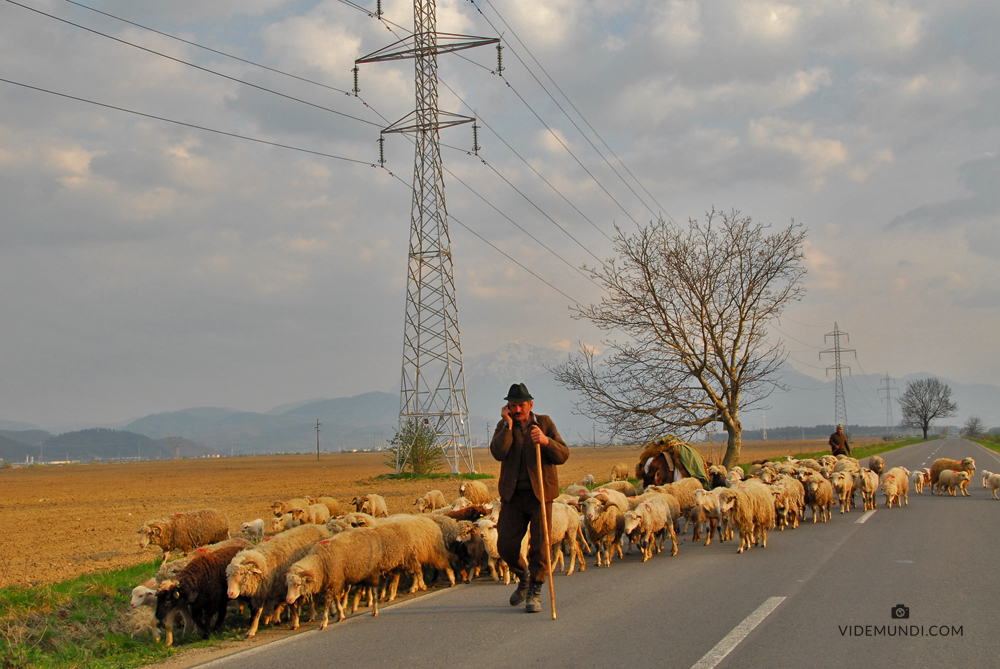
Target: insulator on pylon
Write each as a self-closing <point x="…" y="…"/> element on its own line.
<point x="475" y="139"/>
<point x="381" y="150"/>
<point x="499" y="59"/>
<point x="378" y="9"/>
<point x="356" y="89"/>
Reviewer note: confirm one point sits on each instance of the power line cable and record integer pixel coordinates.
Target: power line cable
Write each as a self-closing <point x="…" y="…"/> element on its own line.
<point x="215" y="51"/>
<point x="497" y="249"/>
<point x="189" y="125"/>
<point x="291" y="148"/>
<point x="584" y="118"/>
<point x="570" y="118"/>
<point x="197" y="67"/>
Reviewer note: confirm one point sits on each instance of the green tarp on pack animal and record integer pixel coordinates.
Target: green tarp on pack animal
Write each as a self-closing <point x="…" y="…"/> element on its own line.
<point x="669" y="459"/>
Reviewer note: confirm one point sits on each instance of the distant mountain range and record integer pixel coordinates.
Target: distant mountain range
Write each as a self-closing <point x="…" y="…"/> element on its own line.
<point x="368" y="420"/>
<point x="92" y="444"/>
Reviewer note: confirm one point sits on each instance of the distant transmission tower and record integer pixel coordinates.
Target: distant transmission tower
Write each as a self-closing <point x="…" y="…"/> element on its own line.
<point x="763" y="435"/>
<point x="433" y="377"/>
<point x="889" y="422"/>
<point x="840" y="405"/>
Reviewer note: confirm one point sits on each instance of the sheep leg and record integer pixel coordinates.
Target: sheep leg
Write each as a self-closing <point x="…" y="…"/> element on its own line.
<point x="493" y="569"/>
<point x="586" y="546"/>
<point x="295" y="617"/>
<point x="374" y="604"/>
<point x="252" y="632"/>
<point x="340" y="607"/>
<point x="394" y="587"/>
<point x="357" y="599"/>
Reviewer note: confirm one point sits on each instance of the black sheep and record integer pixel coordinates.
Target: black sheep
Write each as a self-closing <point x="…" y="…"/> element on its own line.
<point x="202" y="587"/>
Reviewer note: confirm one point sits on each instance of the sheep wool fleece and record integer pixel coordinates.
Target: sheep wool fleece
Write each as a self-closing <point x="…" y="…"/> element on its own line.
<point x="521" y="491"/>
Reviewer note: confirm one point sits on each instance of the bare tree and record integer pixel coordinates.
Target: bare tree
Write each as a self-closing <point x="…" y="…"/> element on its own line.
<point x="694" y="305"/>
<point x="924" y="401"/>
<point x="973" y="426"/>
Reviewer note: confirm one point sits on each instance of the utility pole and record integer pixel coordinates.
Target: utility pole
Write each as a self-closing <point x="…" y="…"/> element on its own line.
<point x="763" y="418"/>
<point x="317" y="439"/>
<point x="432" y="388"/>
<point x="839" y="403"/>
<point x="889" y="422"/>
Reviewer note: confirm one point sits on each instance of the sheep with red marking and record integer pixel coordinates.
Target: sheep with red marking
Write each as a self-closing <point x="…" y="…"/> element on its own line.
<point x="185" y="531"/>
<point x="942" y="464"/>
<point x="620" y="472"/>
<point x="259" y="573"/>
<point x="951" y="480"/>
<point x="895" y="487"/>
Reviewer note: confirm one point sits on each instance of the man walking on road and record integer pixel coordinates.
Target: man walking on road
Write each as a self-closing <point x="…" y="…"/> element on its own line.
<point x="838" y="442"/>
<point x="517" y="435"/>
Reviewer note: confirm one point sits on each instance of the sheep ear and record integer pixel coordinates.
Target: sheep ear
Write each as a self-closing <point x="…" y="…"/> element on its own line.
<point x="256" y="570"/>
<point x="157" y="530"/>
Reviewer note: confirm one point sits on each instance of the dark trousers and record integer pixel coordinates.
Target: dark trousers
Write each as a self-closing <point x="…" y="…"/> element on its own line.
<point x="523" y="513"/>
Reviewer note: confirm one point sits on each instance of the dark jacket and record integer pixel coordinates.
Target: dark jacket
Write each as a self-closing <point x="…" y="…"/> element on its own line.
<point x="838" y="444"/>
<point x="515" y="450"/>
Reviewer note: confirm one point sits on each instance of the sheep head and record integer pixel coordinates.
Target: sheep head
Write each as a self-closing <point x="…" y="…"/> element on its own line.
<point x="243" y="574"/>
<point x="142" y="595"/>
<point x="632" y="521"/>
<point x="297" y="513"/>
<point x="300" y="582"/>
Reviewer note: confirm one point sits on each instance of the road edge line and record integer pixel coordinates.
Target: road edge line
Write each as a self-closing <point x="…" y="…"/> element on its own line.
<point x="740" y="632"/>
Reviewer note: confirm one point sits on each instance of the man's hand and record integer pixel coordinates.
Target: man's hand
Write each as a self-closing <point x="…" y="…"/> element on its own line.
<point x="538" y="436"/>
<point x="505" y="415"/>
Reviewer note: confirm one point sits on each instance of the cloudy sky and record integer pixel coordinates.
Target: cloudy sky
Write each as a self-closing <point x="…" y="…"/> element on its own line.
<point x="149" y="266"/>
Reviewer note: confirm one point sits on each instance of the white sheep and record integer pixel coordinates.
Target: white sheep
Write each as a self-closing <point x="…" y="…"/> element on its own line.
<point x="991" y="481"/>
<point x="314" y="514"/>
<point x="869" y="486"/>
<point x="604" y="522"/>
<point x="254" y="529"/>
<point x="285" y="522"/>
<point x="374" y="505"/>
<point x="917" y="479"/>
<point x="431" y="501"/>
<point x="564" y="532"/>
<point x="475" y="491"/>
<point x="648" y="526"/>
<point x="896" y="486"/>
<point x="949" y="479"/>
<point x="588" y="481"/>
<point x="710" y="503"/>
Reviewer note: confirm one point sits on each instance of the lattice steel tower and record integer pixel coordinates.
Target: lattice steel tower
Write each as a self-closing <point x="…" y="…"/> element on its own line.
<point x="433" y="378"/>
<point x="839" y="403"/>
<point x="888" y="388"/>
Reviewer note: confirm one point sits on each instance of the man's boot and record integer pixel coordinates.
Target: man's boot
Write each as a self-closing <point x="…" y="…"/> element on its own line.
<point x="522" y="587"/>
<point x="534" y="604"/>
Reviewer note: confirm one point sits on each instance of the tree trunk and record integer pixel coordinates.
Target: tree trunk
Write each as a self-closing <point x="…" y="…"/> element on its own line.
<point x="732" y="457"/>
<point x="925" y="426"/>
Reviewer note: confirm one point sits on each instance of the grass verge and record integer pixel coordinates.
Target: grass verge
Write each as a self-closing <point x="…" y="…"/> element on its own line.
<point x="82" y="622"/>
<point x="866" y="451"/>
<point x="989" y="441"/>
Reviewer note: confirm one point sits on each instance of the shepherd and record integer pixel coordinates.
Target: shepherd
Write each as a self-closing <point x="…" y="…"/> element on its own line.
<point x="528" y="447"/>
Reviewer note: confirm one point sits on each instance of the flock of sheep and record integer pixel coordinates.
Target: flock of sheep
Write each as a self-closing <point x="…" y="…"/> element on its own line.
<point x="321" y="550"/>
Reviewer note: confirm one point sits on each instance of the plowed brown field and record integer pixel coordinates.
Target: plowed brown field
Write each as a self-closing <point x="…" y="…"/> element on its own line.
<point x="62" y="521"/>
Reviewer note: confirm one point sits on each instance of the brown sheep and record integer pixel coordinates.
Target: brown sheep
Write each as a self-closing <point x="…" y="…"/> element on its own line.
<point x="941" y="464"/>
<point x="374" y="505"/>
<point x="843" y="485"/>
<point x="201" y="585"/>
<point x="624" y="487"/>
<point x="620" y="472"/>
<point x="184" y="531"/>
<point x="876" y="464"/>
<point x="869" y="486"/>
<point x="314" y="514"/>
<point x="950" y="480"/>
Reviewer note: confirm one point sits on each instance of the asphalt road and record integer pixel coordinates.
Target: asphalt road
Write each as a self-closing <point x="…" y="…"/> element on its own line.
<point x="808" y="599"/>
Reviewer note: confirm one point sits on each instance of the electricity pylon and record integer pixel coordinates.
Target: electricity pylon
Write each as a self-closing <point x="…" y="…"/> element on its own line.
<point x="432" y="389"/>
<point x="839" y="403"/>
<point x="889" y="422"/>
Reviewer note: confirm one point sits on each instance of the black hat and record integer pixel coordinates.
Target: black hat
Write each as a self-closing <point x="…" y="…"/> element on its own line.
<point x="518" y="393"/>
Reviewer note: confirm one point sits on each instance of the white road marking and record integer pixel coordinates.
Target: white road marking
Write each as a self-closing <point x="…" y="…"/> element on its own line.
<point x="865" y="516"/>
<point x="740" y="632"/>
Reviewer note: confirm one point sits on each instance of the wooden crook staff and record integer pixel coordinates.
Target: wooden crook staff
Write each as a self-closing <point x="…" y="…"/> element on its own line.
<point x="545" y="530"/>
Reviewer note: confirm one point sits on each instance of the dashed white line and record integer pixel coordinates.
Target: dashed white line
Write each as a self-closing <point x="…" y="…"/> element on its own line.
<point x="865" y="516"/>
<point x="740" y="632"/>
